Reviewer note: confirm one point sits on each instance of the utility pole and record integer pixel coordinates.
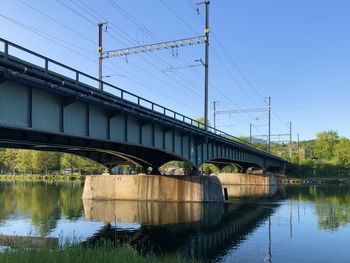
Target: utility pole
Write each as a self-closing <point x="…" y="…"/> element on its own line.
<point x="100" y="50"/>
<point x="214" y="113"/>
<point x="250" y="132"/>
<point x="298" y="149"/>
<point x="206" y="62"/>
<point x="269" y="124"/>
<point x="290" y="141"/>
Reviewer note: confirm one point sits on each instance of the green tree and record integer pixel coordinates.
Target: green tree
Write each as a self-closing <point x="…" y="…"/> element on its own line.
<point x="325" y="145"/>
<point x="342" y="152"/>
<point x="25" y="161"/>
<point x="90" y="166"/>
<point x="200" y="123"/>
<point x="44" y="161"/>
<point x="71" y="161"/>
<point x="10" y="160"/>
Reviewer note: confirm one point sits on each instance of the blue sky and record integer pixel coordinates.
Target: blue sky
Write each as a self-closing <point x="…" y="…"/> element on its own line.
<point x="296" y="51"/>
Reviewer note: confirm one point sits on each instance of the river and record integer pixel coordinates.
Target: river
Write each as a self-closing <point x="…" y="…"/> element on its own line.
<point x="287" y="224"/>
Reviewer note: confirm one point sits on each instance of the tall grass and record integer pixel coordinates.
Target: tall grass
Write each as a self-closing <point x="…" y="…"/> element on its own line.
<point x="79" y="254"/>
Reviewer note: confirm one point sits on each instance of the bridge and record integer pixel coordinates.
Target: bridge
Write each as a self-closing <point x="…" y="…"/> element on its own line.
<point x="46" y="105"/>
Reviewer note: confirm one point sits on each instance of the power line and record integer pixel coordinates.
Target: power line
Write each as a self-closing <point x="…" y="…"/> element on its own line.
<point x="52" y="39"/>
<point x="178" y="16"/>
<point x="48" y="37"/>
<point x="130" y="39"/>
<point x="84" y="9"/>
<point x="58" y="22"/>
<point x="77" y="13"/>
<point x="235" y="65"/>
<point x="193" y="30"/>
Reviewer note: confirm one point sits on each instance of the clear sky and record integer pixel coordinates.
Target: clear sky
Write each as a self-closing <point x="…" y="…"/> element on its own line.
<point x="295" y="51"/>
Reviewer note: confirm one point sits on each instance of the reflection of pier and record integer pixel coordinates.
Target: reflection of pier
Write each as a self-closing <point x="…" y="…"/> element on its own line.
<point x="151" y="213"/>
<point x="250" y="191"/>
<point x="191" y="229"/>
<point x="232" y="231"/>
<point x="28" y="242"/>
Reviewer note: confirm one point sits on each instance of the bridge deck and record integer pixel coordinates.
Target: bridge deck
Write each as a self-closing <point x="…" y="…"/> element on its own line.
<point x="75" y="86"/>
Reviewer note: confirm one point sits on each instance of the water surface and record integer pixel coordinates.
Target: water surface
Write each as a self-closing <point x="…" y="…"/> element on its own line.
<point x="290" y="224"/>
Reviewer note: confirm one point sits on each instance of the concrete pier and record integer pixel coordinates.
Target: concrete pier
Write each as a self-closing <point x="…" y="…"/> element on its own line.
<point x="246" y="179"/>
<point x="153" y="188"/>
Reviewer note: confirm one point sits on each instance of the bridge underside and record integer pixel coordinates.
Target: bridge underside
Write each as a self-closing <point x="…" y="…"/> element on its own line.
<point x="76" y="118"/>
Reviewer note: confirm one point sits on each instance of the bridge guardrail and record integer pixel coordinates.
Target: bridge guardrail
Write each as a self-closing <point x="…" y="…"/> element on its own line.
<point x="122" y="94"/>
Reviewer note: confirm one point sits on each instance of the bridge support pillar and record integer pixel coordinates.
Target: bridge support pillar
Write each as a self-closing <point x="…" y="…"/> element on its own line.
<point x="195" y="172"/>
<point x="155" y="171"/>
<point x="153" y="188"/>
<point x="246" y="179"/>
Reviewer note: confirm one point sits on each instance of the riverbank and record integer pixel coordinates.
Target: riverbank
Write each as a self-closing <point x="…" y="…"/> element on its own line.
<point x="81" y="254"/>
<point x="309" y="180"/>
<point x="41" y="178"/>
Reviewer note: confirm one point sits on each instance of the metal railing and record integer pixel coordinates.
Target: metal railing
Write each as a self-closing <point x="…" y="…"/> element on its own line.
<point x="122" y="94"/>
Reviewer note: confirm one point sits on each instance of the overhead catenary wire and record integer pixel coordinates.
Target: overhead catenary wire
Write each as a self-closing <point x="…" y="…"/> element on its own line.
<point x="128" y="39"/>
<point x="49" y="37"/>
<point x="195" y="32"/>
<point x="57" y="40"/>
<point x="58" y="22"/>
<point x="235" y="65"/>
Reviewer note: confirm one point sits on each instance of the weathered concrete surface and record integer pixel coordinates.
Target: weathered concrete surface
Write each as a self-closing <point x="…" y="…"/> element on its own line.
<point x="247" y="191"/>
<point x="246" y="179"/>
<point x="151" y="213"/>
<point x="153" y="188"/>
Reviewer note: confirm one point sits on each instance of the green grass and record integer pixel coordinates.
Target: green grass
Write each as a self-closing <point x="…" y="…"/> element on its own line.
<point x="80" y="254"/>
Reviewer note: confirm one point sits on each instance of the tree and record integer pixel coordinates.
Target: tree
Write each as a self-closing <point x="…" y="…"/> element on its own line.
<point x="90" y="166"/>
<point x="342" y="152"/>
<point x="44" y="161"/>
<point x="10" y="160"/>
<point x="25" y="161"/>
<point x="71" y="161"/>
<point x="2" y="159"/>
<point x="200" y="123"/>
<point x="325" y="145"/>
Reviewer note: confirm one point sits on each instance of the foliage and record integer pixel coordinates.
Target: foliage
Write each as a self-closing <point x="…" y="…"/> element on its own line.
<point x="25" y="162"/>
<point x="73" y="162"/>
<point x="326" y="156"/>
<point x="342" y="153"/>
<point x="10" y="160"/>
<point x="325" y="145"/>
<point x="44" y="162"/>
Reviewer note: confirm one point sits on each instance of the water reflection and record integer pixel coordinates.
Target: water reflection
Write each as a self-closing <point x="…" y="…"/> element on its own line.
<point x="151" y="213"/>
<point x="198" y="238"/>
<point x="190" y="229"/>
<point x="332" y="203"/>
<point x="209" y="231"/>
<point x="44" y="203"/>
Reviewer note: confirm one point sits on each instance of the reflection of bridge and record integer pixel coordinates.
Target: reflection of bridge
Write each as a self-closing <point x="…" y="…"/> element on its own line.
<point x="191" y="229"/>
<point x="49" y="106"/>
<point x="196" y="239"/>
